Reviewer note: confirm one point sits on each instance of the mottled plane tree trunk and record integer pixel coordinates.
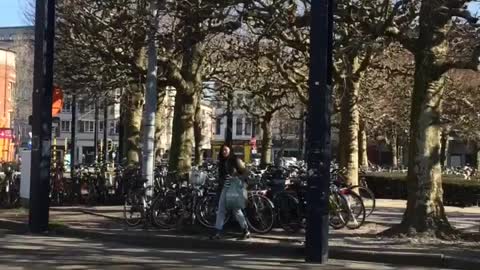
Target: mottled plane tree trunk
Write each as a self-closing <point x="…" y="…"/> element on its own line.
<point x="434" y="56"/>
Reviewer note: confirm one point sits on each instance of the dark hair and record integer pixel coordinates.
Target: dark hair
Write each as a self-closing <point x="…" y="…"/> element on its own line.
<point x="220" y="153"/>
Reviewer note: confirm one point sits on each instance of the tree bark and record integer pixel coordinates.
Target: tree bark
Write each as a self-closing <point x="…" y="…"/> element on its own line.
<point x="266" y="154"/>
<point x="425" y="212"/>
<point x="182" y="133"/>
<point x="133" y="125"/>
<point x="444" y="149"/>
<point x="363" y="146"/>
<point x="394" y="146"/>
<point x="188" y="92"/>
<point x="349" y="130"/>
<point x="160" y="123"/>
<point x="197" y="132"/>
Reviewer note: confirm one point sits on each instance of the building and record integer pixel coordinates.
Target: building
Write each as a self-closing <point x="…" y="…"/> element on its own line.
<point x="21" y="41"/>
<point x="245" y="127"/>
<point x="7" y="89"/>
<point x="166" y="124"/>
<point x="85" y="129"/>
<point x="288" y="136"/>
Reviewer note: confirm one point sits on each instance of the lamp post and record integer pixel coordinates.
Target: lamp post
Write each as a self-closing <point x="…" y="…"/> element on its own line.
<point x="42" y="115"/>
<point x="318" y="130"/>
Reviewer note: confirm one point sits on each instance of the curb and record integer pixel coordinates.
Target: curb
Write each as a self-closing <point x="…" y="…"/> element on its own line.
<point x="93" y="213"/>
<point x="435" y="260"/>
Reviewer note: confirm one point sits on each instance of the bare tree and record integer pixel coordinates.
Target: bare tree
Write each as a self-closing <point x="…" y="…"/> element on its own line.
<point x="441" y="35"/>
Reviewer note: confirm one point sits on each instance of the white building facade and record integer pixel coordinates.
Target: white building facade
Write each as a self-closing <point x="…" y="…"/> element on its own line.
<point x="85" y="128"/>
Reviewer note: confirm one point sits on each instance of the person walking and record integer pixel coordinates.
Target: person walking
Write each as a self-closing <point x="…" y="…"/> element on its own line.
<point x="229" y="166"/>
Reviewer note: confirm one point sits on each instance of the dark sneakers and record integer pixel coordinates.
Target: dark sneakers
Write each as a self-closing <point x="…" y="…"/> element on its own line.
<point x="245" y="235"/>
<point x="217" y="236"/>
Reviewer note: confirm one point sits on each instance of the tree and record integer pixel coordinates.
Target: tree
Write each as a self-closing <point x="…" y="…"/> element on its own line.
<point x="261" y="90"/>
<point x="105" y="41"/>
<point x="188" y="25"/>
<point x="438" y="42"/>
<point x="286" y="24"/>
<point x="22" y="96"/>
<point x="384" y="99"/>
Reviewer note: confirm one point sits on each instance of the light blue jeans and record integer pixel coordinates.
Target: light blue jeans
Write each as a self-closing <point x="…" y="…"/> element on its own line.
<point x="222" y="211"/>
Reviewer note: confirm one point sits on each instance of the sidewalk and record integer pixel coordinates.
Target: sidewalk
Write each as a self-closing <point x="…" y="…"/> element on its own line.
<point x="105" y="223"/>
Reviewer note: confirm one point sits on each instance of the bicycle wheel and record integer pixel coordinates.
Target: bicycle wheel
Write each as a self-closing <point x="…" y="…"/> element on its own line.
<point x="167" y="211"/>
<point x="356" y="209"/>
<point x="206" y="211"/>
<point x="338" y="211"/>
<point x="368" y="198"/>
<point x="260" y="213"/>
<point x="133" y="211"/>
<point x="289" y="214"/>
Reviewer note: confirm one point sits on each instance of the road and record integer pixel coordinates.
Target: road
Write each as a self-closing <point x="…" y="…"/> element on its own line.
<point x="53" y="252"/>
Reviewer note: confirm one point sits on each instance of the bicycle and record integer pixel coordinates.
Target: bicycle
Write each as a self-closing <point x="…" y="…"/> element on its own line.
<point x="367" y="195"/>
<point x="140" y="203"/>
<point x="259" y="211"/>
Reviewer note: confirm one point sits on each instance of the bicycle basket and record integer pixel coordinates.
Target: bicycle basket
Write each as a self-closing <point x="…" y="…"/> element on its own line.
<point x="197" y="178"/>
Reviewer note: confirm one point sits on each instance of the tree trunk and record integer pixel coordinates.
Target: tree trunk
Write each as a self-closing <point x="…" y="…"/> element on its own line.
<point x="444" y="149"/>
<point x="160" y="123"/>
<point x="363" y="146"/>
<point x="301" y="138"/>
<point x="182" y="133"/>
<point x="349" y="130"/>
<point x="180" y="159"/>
<point x="266" y="154"/>
<point x="197" y="132"/>
<point x="133" y="124"/>
<point x="425" y="212"/>
<point x="394" y="146"/>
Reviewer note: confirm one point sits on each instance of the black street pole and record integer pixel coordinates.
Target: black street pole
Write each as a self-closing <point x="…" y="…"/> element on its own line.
<point x="95" y="133"/>
<point x="318" y="131"/>
<point x="229" y="128"/>
<point x="42" y="116"/>
<point x="73" y="148"/>
<point x="105" y="133"/>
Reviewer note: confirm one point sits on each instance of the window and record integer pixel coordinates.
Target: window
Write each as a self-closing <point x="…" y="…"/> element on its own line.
<point x="86" y="106"/>
<point x="239" y="126"/>
<point x="86" y="126"/>
<point x="114" y="127"/>
<point x="91" y="107"/>
<point x="248" y="126"/>
<point x="67" y="106"/>
<point x="218" y="126"/>
<point x="100" y="126"/>
<point x="65" y="126"/>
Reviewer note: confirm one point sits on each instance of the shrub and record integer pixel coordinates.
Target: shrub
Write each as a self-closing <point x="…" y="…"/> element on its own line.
<point x="456" y="191"/>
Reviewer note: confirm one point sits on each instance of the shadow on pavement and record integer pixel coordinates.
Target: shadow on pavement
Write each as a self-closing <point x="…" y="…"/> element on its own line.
<point x="42" y="252"/>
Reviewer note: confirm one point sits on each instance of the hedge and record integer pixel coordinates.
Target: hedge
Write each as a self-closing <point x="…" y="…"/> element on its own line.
<point x="456" y="191"/>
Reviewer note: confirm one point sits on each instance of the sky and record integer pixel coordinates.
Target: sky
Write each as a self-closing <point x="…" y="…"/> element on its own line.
<point x="11" y="12"/>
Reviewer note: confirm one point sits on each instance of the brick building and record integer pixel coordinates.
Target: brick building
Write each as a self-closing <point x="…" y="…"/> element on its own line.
<point x="7" y="88"/>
